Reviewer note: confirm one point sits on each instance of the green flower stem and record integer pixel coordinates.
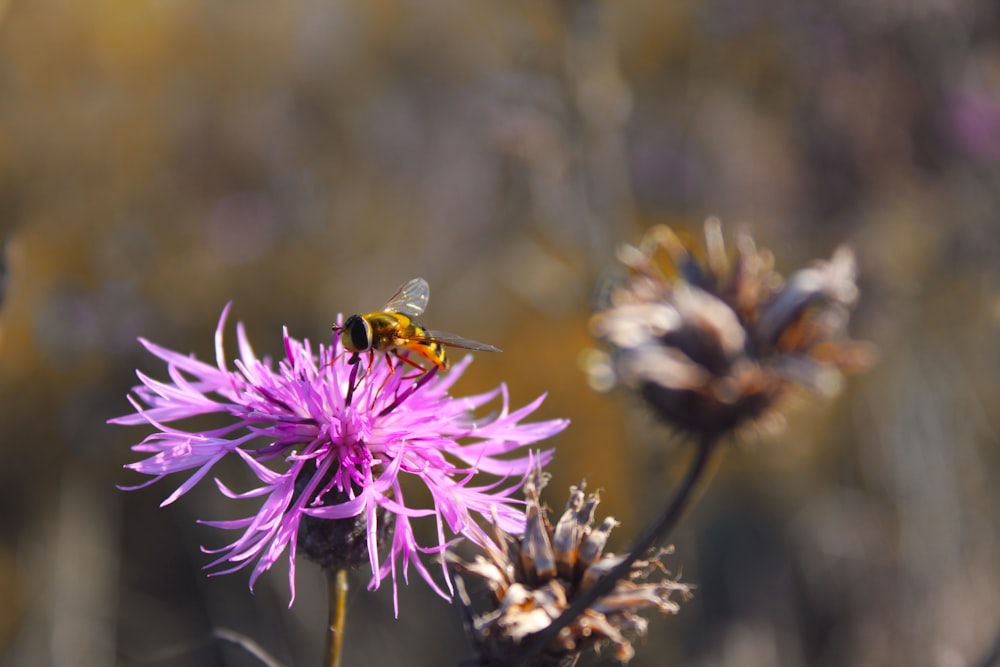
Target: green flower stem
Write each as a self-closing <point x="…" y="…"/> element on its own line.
<point x="337" y="583"/>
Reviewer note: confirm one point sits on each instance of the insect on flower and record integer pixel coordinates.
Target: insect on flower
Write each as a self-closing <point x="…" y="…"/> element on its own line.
<point x="393" y="331"/>
<point x="329" y="473"/>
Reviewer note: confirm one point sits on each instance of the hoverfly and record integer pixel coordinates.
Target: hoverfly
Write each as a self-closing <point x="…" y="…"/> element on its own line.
<point x="392" y="330"/>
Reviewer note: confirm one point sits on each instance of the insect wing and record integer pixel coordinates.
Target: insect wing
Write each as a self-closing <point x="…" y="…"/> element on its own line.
<point x="451" y="340"/>
<point x="410" y="299"/>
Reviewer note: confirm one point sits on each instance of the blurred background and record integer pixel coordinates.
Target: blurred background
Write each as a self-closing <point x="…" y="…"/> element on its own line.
<point x="159" y="158"/>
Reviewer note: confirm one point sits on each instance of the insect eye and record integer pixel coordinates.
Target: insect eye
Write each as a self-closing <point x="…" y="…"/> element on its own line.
<point x="358" y="334"/>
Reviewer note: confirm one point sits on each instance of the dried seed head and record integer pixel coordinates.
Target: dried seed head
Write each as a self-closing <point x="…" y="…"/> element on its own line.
<point x="532" y="580"/>
<point x="714" y="344"/>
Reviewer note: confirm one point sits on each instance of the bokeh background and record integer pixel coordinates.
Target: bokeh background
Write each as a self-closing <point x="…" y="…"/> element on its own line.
<point x="159" y="158"/>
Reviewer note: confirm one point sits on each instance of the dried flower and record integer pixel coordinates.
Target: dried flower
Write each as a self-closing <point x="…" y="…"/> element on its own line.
<point x="534" y="579"/>
<point x="324" y="454"/>
<point x="714" y="345"/>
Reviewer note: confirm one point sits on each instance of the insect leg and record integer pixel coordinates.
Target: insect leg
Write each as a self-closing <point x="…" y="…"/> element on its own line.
<point x="409" y="361"/>
<point x="392" y="369"/>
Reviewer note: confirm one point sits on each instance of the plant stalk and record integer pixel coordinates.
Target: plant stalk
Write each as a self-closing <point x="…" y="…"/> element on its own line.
<point x="337" y="584"/>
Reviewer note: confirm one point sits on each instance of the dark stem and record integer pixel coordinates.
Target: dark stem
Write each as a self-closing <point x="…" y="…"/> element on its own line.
<point x="992" y="657"/>
<point x="352" y="379"/>
<point x="658" y="530"/>
<point x="337" y="584"/>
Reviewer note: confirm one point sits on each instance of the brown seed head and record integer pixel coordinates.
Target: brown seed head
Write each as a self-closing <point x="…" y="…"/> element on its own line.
<point x="714" y="343"/>
<point x="532" y="580"/>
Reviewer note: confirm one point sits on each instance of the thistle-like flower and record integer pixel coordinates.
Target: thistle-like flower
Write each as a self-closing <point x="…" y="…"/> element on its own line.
<point x="714" y="344"/>
<point x="532" y="580"/>
<point x="332" y="444"/>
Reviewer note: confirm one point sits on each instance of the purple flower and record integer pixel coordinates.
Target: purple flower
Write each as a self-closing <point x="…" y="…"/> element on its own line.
<point x="323" y="451"/>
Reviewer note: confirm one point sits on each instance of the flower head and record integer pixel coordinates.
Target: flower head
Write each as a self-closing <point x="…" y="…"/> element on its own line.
<point x="332" y="444"/>
<point x="534" y="579"/>
<point x="715" y="344"/>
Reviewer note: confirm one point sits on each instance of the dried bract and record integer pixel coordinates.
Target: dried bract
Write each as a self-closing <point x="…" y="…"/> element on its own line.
<point x="532" y="580"/>
<point x="713" y="344"/>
